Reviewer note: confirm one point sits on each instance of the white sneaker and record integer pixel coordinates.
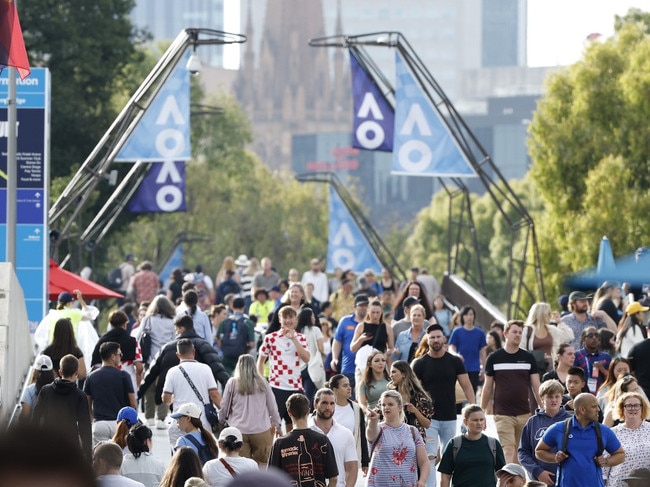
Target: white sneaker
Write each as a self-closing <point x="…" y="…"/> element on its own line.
<point x="160" y="425"/>
<point x="151" y="422"/>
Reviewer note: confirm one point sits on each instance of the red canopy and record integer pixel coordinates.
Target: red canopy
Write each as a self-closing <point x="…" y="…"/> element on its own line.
<point x="62" y="281"/>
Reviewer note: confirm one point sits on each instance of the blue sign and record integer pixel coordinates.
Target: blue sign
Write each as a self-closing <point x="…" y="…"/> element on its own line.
<point x="174" y="261"/>
<point x="347" y="248"/>
<point x="163" y="132"/>
<point x="373" y="115"/>
<point x="162" y="190"/>
<point x="422" y="143"/>
<point x="32" y="180"/>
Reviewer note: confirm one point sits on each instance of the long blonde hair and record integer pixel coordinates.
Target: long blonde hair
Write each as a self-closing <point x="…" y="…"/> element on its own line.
<point x="248" y="379"/>
<point x="539" y="315"/>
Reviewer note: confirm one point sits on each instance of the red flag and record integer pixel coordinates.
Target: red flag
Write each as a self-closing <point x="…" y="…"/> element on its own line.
<point x="12" y="44"/>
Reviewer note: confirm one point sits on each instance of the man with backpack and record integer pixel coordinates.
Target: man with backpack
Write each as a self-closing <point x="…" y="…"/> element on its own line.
<point x="577" y="446"/>
<point x="236" y="335"/>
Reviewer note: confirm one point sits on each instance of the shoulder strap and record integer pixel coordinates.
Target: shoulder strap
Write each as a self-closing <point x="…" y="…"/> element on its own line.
<point x="228" y="467"/>
<point x="458" y="441"/>
<point x="565" y="433"/>
<point x="194" y="441"/>
<point x="374" y="443"/>
<point x="599" y="438"/>
<point x="189" y="381"/>
<point x="492" y="442"/>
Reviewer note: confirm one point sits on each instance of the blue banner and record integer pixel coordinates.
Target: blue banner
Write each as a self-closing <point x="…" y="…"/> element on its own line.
<point x="422" y="145"/>
<point x="32" y="187"/>
<point x="373" y="115"/>
<point x="175" y="260"/>
<point x="163" y="132"/>
<point x="162" y="190"/>
<point x="347" y="248"/>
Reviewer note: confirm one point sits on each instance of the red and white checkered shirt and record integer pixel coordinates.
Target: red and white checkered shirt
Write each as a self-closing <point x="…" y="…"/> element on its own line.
<point x="284" y="362"/>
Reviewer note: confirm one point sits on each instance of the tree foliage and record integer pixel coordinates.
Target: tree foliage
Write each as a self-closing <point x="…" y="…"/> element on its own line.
<point x="428" y="243"/>
<point x="235" y="202"/>
<point x="590" y="147"/>
<point x="86" y="44"/>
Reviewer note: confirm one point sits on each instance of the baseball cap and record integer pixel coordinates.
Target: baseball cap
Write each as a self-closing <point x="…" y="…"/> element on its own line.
<point x="65" y="297"/>
<point x="43" y="362"/>
<point x="576" y="295"/>
<point x="129" y="414"/>
<point x="635" y="307"/>
<point x="231" y="431"/>
<point x="188" y="409"/>
<point x="360" y="299"/>
<point x="512" y="468"/>
<point x="275" y="288"/>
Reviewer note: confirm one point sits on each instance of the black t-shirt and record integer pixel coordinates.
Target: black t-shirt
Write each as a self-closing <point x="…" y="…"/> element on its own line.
<point x="640" y="357"/>
<point x="306" y="456"/>
<point x="511" y="373"/>
<point x="438" y="377"/>
<point x="109" y="388"/>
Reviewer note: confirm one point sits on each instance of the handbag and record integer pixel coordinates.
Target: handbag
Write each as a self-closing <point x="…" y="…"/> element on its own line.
<point x="223" y="422"/>
<point x="211" y="414"/>
<point x="145" y="340"/>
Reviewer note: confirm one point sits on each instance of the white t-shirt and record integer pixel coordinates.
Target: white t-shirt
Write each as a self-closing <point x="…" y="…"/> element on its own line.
<point x="146" y="468"/>
<point x="344" y="415"/>
<point x="176" y="384"/>
<point x="216" y="474"/>
<point x="345" y="448"/>
<point x="320" y="282"/>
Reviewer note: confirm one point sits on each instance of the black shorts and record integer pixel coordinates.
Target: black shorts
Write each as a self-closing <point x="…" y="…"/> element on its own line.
<point x="281" y="396"/>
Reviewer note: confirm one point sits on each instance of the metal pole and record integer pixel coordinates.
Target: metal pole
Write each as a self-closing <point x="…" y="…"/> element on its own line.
<point x="12" y="168"/>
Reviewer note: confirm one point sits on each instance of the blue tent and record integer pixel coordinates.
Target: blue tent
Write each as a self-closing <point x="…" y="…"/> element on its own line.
<point x="633" y="268"/>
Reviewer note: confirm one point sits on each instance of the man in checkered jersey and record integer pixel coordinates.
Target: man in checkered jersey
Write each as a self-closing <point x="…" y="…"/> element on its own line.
<point x="285" y="350"/>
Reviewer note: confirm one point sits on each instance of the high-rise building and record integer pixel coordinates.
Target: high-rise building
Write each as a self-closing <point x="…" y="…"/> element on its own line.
<point x="165" y="19"/>
<point x="503" y="33"/>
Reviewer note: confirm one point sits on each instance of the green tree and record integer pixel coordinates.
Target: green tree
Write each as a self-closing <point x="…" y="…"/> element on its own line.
<point x="590" y="147"/>
<point x="235" y="202"/>
<point x="86" y="44"/>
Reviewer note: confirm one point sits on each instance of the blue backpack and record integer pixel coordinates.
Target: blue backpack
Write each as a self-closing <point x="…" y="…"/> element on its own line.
<point x="234" y="341"/>
<point x="205" y="454"/>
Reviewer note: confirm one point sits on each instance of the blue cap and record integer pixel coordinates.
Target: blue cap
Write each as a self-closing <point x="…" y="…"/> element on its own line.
<point x="66" y="297"/>
<point x="129" y="414"/>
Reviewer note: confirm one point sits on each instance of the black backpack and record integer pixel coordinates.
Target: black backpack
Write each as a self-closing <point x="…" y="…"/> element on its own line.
<point x="115" y="278"/>
<point x="234" y="341"/>
<point x="205" y="454"/>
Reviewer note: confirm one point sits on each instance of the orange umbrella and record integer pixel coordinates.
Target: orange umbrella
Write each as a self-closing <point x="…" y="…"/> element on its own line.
<point x="66" y="281"/>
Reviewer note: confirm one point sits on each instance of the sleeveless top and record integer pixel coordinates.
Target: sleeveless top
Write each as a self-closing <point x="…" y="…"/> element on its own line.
<point x="378" y="335"/>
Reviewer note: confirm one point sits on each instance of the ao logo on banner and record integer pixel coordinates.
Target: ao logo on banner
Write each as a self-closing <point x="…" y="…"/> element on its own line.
<point x="373" y="115"/>
<point x="347" y="247"/>
<point x="163" y="132"/>
<point x="162" y="189"/>
<point x="422" y="145"/>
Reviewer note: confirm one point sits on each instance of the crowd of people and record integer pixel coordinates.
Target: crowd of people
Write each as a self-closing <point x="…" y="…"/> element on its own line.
<point x="331" y="380"/>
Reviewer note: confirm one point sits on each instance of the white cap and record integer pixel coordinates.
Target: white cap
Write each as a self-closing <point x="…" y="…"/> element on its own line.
<point x="230" y="431"/>
<point x="43" y="362"/>
<point x="188" y="409"/>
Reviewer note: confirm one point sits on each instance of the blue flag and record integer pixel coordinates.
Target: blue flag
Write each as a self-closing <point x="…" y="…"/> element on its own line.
<point x="373" y="115"/>
<point x="162" y="190"/>
<point x="422" y="145"/>
<point x="347" y="248"/>
<point x="175" y="260"/>
<point x="163" y="132"/>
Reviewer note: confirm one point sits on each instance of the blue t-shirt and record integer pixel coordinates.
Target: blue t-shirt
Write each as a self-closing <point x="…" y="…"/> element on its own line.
<point x="345" y="334"/>
<point x="469" y="343"/>
<point x="580" y="469"/>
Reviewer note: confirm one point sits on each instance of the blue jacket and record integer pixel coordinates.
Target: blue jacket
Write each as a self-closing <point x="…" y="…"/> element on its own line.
<point x="530" y="436"/>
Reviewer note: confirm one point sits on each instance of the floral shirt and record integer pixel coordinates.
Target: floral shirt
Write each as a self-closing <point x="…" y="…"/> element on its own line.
<point x="394" y="459"/>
